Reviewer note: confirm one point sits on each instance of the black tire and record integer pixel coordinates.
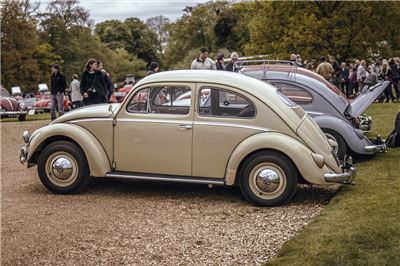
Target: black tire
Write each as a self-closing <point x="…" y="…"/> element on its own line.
<point x="22" y="118"/>
<point x="342" y="146"/>
<point x="51" y="176"/>
<point x="256" y="192"/>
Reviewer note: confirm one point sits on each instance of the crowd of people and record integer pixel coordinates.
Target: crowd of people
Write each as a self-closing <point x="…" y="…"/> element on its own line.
<point x="96" y="86"/>
<point x="354" y="77"/>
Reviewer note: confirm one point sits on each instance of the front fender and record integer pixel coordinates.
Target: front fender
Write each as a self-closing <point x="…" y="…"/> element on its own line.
<point x="292" y="148"/>
<point x="98" y="162"/>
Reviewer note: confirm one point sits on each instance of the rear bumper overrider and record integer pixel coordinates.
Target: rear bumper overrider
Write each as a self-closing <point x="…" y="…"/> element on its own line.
<point x="348" y="173"/>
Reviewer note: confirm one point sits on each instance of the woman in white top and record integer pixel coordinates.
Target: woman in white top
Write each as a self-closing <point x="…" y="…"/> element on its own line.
<point x="76" y="95"/>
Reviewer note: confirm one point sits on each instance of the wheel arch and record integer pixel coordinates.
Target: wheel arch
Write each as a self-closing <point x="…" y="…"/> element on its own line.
<point x="291" y="148"/>
<point x="97" y="159"/>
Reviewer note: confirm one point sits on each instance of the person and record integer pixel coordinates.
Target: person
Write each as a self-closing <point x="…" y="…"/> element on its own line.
<point x="386" y="74"/>
<point x="58" y="87"/>
<point x="203" y="62"/>
<point x="395" y="77"/>
<point x="345" y="82"/>
<point x="299" y="61"/>
<point x="376" y="67"/>
<point x="220" y="62"/>
<point x="107" y="78"/>
<point x="153" y="68"/>
<point x="325" y="69"/>
<point x="93" y="85"/>
<point x="336" y="75"/>
<point x="293" y="58"/>
<point x="361" y="74"/>
<point x="76" y="96"/>
<point x="231" y="65"/>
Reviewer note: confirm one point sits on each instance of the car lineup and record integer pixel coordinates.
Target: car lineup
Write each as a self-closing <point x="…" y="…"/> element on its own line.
<point x="191" y="126"/>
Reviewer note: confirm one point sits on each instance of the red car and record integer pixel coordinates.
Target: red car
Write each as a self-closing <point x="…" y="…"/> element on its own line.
<point x="10" y="106"/>
<point x="44" y="103"/>
<point x="122" y="92"/>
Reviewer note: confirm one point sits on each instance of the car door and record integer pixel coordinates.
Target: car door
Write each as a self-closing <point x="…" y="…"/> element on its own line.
<point x="153" y="131"/>
<point x="224" y="117"/>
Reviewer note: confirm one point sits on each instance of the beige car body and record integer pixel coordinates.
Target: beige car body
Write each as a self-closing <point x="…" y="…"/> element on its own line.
<point x="192" y="145"/>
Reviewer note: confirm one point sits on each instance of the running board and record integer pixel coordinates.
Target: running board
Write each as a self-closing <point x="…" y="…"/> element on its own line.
<point x="166" y="178"/>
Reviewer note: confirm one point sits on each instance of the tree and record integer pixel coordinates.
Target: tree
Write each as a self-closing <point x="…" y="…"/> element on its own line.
<point x="159" y="25"/>
<point x="18" y="42"/>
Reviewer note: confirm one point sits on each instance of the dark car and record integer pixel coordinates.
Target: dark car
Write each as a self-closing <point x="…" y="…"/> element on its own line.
<point x="10" y="106"/>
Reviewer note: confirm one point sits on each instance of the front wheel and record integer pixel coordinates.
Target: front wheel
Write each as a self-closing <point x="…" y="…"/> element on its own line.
<point x="62" y="167"/>
<point x="268" y="179"/>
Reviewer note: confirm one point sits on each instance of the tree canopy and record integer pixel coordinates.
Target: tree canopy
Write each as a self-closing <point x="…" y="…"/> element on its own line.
<point x="64" y="33"/>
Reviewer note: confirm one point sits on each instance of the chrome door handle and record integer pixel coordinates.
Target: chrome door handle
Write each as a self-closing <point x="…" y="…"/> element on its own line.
<point x="185" y="126"/>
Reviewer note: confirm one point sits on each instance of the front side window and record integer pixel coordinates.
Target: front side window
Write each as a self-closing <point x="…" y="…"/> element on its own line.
<point x="294" y="93"/>
<point x="161" y="100"/>
<point x="224" y="103"/>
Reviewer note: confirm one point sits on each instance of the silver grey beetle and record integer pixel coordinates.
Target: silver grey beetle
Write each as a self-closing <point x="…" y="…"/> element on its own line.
<point x="341" y="120"/>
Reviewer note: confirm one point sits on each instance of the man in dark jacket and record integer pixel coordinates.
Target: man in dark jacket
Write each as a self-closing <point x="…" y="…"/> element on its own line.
<point x="58" y="86"/>
<point x="345" y="79"/>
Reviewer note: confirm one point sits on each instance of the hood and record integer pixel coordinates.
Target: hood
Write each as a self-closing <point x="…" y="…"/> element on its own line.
<point x="92" y="111"/>
<point x="365" y="99"/>
<point x="9" y="104"/>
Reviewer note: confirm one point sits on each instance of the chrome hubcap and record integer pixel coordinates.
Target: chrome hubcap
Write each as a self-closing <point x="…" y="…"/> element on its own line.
<point x="62" y="168"/>
<point x="268" y="180"/>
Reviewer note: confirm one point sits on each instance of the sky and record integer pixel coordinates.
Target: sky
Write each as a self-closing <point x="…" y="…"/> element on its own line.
<point x="101" y="10"/>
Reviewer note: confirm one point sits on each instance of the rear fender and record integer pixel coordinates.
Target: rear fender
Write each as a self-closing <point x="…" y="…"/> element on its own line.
<point x="99" y="163"/>
<point x="296" y="151"/>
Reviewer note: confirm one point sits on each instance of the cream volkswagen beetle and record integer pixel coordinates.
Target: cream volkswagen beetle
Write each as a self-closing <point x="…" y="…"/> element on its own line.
<point x="191" y="126"/>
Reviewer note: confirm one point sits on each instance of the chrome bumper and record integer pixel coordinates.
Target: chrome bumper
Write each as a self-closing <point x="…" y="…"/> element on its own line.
<point x="24" y="150"/>
<point x="347" y="176"/>
<point x="379" y="145"/>
<point x="24" y="154"/>
<point x="376" y="148"/>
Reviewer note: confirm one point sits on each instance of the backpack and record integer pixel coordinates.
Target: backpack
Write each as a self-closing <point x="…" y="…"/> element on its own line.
<point x="393" y="140"/>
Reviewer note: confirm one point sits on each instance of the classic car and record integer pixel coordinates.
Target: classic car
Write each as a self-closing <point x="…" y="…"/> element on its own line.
<point x="341" y="120"/>
<point x="43" y="103"/>
<point x="10" y="107"/>
<point x="236" y="130"/>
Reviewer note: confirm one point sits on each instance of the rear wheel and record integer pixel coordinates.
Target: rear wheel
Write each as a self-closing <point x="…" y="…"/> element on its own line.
<point x="62" y="167"/>
<point x="341" y="148"/>
<point x="268" y="179"/>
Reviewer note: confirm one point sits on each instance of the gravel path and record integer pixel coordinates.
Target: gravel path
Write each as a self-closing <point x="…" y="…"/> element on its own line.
<point x="115" y="222"/>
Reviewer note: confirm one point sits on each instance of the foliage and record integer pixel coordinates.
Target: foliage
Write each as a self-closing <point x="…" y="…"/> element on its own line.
<point x="133" y="35"/>
<point x="344" y="29"/>
<point x="18" y="41"/>
<point x="159" y="25"/>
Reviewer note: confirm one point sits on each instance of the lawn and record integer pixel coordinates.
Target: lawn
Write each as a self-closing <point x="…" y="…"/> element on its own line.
<point x="361" y="225"/>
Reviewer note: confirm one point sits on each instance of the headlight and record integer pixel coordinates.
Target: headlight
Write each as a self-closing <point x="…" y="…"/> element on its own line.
<point x="22" y="105"/>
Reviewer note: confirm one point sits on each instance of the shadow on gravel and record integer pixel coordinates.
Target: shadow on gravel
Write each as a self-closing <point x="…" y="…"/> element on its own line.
<point x="145" y="189"/>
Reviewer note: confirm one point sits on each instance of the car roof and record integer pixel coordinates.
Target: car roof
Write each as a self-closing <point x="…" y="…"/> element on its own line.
<point x="339" y="101"/>
<point x="259" y="89"/>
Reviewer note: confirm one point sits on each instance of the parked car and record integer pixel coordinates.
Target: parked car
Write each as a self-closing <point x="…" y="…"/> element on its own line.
<point x="341" y="120"/>
<point x="122" y="92"/>
<point x="10" y="106"/>
<point x="43" y="103"/>
<point x="249" y="134"/>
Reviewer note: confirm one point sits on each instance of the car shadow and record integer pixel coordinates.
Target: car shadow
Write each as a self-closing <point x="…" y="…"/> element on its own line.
<point x="182" y="191"/>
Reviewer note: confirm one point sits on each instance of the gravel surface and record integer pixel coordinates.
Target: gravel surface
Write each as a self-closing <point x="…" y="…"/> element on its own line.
<point x="116" y="222"/>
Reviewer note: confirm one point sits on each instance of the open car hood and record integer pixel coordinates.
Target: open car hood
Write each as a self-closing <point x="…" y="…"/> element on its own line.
<point x="361" y="103"/>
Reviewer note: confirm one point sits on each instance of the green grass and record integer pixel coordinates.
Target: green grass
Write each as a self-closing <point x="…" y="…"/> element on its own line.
<point x="43" y="116"/>
<point x="361" y="225"/>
